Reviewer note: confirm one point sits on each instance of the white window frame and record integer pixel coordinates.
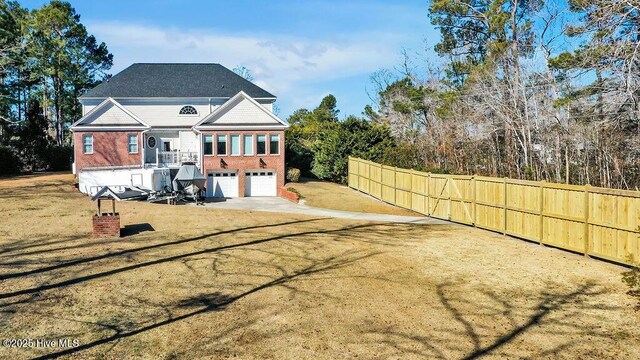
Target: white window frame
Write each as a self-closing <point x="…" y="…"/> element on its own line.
<point x="277" y="135"/>
<point x="184" y="106"/>
<point x="155" y="140"/>
<point x="244" y="141"/>
<point x="226" y="143"/>
<point x="129" y="137"/>
<point x="213" y="144"/>
<point x="87" y="136"/>
<point x="231" y="145"/>
<point x="266" y="149"/>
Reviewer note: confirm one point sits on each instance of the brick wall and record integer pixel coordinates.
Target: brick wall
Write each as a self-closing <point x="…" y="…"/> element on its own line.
<point x="106" y="225"/>
<point x="110" y="148"/>
<point x="241" y="162"/>
<point x="289" y="195"/>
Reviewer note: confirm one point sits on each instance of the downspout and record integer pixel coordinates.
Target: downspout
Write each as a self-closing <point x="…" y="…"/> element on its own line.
<point x="73" y="165"/>
<point x="200" y="152"/>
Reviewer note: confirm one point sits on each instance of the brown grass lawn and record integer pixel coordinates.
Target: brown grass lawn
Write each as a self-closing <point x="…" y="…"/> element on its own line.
<point x="220" y="284"/>
<point x="329" y="195"/>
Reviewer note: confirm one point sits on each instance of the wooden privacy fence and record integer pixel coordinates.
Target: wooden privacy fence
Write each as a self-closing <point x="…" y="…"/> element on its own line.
<point x="594" y="221"/>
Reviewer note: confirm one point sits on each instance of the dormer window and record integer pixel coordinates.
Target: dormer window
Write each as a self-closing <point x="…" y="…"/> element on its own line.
<point x="188" y="110"/>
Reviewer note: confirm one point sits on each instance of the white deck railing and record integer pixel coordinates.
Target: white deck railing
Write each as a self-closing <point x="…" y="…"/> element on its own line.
<point x="175" y="157"/>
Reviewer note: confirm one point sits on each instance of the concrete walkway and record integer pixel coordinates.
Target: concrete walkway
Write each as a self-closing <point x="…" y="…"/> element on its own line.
<point x="276" y="204"/>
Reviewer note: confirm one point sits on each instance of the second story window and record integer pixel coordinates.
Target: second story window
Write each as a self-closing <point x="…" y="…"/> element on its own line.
<point x="274" y="144"/>
<point x="262" y="145"/>
<point x="235" y="144"/>
<point x="247" y="143"/>
<point x="87" y="144"/>
<point x="221" y="145"/>
<point x="188" y="110"/>
<point x="208" y="145"/>
<point x="133" y="143"/>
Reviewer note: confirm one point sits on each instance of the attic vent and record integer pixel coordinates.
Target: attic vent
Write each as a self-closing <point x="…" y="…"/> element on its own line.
<point x="188" y="110"/>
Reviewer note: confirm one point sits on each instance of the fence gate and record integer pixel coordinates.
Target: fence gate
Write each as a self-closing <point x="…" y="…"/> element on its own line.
<point x="461" y="197"/>
<point x="439" y="197"/>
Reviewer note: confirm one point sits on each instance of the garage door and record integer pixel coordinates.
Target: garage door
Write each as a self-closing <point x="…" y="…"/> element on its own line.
<point x="260" y="183"/>
<point x="222" y="184"/>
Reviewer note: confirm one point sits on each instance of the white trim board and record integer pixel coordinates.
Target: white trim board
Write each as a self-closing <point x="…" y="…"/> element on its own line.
<point x="76" y="125"/>
<point x="228" y="105"/>
<point x="240" y="127"/>
<point x="173" y="98"/>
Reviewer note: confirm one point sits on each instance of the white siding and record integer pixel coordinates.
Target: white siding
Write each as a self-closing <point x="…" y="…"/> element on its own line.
<point x="243" y="111"/>
<point x="91" y="181"/>
<point x="164" y="112"/>
<point x="268" y="106"/>
<point x="88" y="105"/>
<point x="110" y="115"/>
<point x="167" y="115"/>
<point x="189" y="141"/>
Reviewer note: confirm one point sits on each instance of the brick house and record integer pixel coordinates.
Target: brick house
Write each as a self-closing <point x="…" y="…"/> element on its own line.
<point x="141" y="125"/>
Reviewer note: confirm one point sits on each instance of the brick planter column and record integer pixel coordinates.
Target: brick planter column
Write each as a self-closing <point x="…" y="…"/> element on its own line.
<point x="106" y="225"/>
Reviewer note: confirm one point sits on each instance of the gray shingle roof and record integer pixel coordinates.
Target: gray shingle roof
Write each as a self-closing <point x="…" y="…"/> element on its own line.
<point x="176" y="80"/>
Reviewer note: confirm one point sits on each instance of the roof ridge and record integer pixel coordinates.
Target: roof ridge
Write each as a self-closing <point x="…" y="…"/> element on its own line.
<point x="175" y="63"/>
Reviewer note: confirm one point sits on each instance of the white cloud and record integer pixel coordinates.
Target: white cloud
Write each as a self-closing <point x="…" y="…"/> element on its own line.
<point x="284" y="65"/>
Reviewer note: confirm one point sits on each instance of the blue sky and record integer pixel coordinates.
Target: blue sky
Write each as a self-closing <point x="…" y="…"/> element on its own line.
<point x="298" y="50"/>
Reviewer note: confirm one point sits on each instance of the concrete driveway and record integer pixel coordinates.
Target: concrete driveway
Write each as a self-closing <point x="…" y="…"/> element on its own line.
<point x="280" y="205"/>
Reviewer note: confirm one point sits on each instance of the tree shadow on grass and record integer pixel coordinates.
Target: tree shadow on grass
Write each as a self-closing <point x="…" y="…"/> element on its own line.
<point x="81" y="279"/>
<point x="216" y="301"/>
<point x="485" y="323"/>
<point x="78" y="261"/>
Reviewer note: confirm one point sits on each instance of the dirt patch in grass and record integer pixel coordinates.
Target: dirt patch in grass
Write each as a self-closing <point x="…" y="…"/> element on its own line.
<point x="329" y="195"/>
<point x="197" y="282"/>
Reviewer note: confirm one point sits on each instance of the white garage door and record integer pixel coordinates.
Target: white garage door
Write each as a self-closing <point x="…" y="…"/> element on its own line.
<point x="260" y="183"/>
<point x="222" y="184"/>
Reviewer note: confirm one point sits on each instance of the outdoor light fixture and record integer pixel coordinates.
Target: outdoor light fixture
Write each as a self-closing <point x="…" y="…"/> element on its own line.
<point x="223" y="164"/>
<point x="262" y="163"/>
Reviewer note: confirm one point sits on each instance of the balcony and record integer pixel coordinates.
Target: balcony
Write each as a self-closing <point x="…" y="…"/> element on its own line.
<point x="174" y="158"/>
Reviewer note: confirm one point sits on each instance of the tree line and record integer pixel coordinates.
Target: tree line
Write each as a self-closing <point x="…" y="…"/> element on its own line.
<point x="529" y="89"/>
<point x="47" y="60"/>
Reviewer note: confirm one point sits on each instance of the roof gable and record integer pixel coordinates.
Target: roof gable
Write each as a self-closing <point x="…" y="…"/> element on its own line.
<point x="109" y="113"/>
<point x="148" y="80"/>
<point x="242" y="111"/>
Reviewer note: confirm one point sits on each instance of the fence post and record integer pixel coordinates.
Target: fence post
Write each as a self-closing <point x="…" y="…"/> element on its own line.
<point x="411" y="190"/>
<point x="473" y="198"/>
<point x="541" y="211"/>
<point x="368" y="178"/>
<point x="357" y="173"/>
<point x="394" y="187"/>
<point x="428" y="195"/>
<point x="352" y="169"/>
<point x="449" y="196"/>
<point x="504" y="214"/>
<point x="586" y="220"/>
